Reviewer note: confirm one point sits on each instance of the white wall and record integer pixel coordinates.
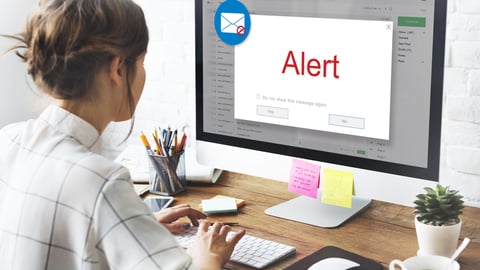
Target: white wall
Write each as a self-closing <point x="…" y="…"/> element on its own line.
<point x="18" y="100"/>
<point x="460" y="165"/>
<point x="169" y="92"/>
<point x="168" y="97"/>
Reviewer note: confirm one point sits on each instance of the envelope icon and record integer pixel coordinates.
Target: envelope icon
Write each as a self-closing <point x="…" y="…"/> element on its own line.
<point x="230" y="22"/>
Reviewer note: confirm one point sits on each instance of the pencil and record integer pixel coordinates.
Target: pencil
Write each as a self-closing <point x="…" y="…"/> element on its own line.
<point x="144" y="140"/>
<point x="159" y="148"/>
<point x="182" y="142"/>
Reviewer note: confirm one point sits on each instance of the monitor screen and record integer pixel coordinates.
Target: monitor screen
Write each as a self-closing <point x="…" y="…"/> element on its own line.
<point x="353" y="84"/>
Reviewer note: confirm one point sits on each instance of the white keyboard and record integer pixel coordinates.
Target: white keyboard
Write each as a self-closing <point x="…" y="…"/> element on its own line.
<point x="250" y="250"/>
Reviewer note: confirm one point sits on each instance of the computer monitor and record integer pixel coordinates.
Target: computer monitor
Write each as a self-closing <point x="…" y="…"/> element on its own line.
<point x="353" y="85"/>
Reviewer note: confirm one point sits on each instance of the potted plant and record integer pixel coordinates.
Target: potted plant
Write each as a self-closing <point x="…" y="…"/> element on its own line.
<point x="437" y="220"/>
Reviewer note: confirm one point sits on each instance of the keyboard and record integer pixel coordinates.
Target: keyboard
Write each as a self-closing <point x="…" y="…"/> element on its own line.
<point x="250" y="250"/>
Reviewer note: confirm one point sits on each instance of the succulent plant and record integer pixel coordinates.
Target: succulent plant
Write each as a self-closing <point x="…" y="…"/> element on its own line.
<point x="439" y="206"/>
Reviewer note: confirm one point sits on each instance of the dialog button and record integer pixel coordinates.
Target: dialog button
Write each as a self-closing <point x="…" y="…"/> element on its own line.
<point x="272" y="111"/>
<point x="346" y="121"/>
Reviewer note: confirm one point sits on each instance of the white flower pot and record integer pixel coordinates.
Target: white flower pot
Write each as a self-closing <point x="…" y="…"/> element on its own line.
<point x="437" y="240"/>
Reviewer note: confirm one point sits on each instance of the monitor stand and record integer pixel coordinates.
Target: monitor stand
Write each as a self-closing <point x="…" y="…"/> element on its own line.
<point x="314" y="212"/>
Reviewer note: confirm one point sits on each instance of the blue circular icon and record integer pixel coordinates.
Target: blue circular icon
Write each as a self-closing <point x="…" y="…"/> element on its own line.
<point x="232" y="22"/>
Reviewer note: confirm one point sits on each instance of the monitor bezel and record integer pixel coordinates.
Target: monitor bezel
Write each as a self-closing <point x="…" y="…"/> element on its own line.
<point x="430" y="172"/>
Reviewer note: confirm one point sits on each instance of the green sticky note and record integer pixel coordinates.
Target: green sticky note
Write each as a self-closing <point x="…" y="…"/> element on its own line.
<point x="337" y="187"/>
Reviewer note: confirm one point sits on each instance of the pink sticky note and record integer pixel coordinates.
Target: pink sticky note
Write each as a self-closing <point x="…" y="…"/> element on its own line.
<point x="304" y="178"/>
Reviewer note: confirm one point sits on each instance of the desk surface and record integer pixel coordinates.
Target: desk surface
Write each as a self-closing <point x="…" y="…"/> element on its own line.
<point x="383" y="232"/>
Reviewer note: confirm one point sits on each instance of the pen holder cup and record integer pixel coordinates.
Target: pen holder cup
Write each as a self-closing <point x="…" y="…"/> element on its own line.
<point x="167" y="174"/>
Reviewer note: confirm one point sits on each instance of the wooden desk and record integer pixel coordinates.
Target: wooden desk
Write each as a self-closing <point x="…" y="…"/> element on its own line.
<point x="383" y="232"/>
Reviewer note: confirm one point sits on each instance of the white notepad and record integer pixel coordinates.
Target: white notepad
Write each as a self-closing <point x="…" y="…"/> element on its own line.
<point x="219" y="205"/>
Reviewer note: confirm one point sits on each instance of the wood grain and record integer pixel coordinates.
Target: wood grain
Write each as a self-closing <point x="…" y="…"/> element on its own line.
<point x="383" y="232"/>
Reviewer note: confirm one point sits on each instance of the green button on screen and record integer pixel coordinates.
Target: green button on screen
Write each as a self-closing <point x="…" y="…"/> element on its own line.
<point x="412" y="21"/>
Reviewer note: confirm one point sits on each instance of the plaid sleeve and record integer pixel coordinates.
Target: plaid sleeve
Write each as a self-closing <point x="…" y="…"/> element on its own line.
<point x="128" y="234"/>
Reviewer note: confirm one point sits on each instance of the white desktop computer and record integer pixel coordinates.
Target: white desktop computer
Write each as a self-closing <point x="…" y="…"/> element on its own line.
<point x="354" y="85"/>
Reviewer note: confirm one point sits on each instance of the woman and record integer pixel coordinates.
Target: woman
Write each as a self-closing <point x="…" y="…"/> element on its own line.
<point x="63" y="205"/>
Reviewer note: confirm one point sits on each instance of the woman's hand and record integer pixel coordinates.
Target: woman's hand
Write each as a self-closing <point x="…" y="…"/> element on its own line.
<point x="169" y="216"/>
<point x="211" y="249"/>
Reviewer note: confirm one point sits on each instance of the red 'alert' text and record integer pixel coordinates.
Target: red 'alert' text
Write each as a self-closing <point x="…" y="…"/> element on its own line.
<point x="312" y="66"/>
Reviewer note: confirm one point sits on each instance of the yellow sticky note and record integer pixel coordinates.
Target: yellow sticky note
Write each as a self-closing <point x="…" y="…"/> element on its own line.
<point x="337" y="187"/>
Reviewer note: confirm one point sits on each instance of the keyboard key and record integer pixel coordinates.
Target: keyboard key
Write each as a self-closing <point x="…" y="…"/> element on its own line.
<point x="251" y="251"/>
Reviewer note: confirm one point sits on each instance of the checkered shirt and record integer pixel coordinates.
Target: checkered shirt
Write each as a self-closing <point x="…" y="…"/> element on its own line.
<point x="64" y="206"/>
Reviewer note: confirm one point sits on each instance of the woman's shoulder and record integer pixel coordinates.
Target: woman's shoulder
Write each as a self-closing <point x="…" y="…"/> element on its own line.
<point x="11" y="130"/>
<point x="102" y="167"/>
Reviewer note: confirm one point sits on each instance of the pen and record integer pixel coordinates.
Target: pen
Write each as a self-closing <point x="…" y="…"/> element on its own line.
<point x="188" y="225"/>
<point x="168" y="136"/>
<point x="229" y="223"/>
<point x="164" y="148"/>
<point x="175" y="141"/>
<point x="164" y="134"/>
<point x="171" y="138"/>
